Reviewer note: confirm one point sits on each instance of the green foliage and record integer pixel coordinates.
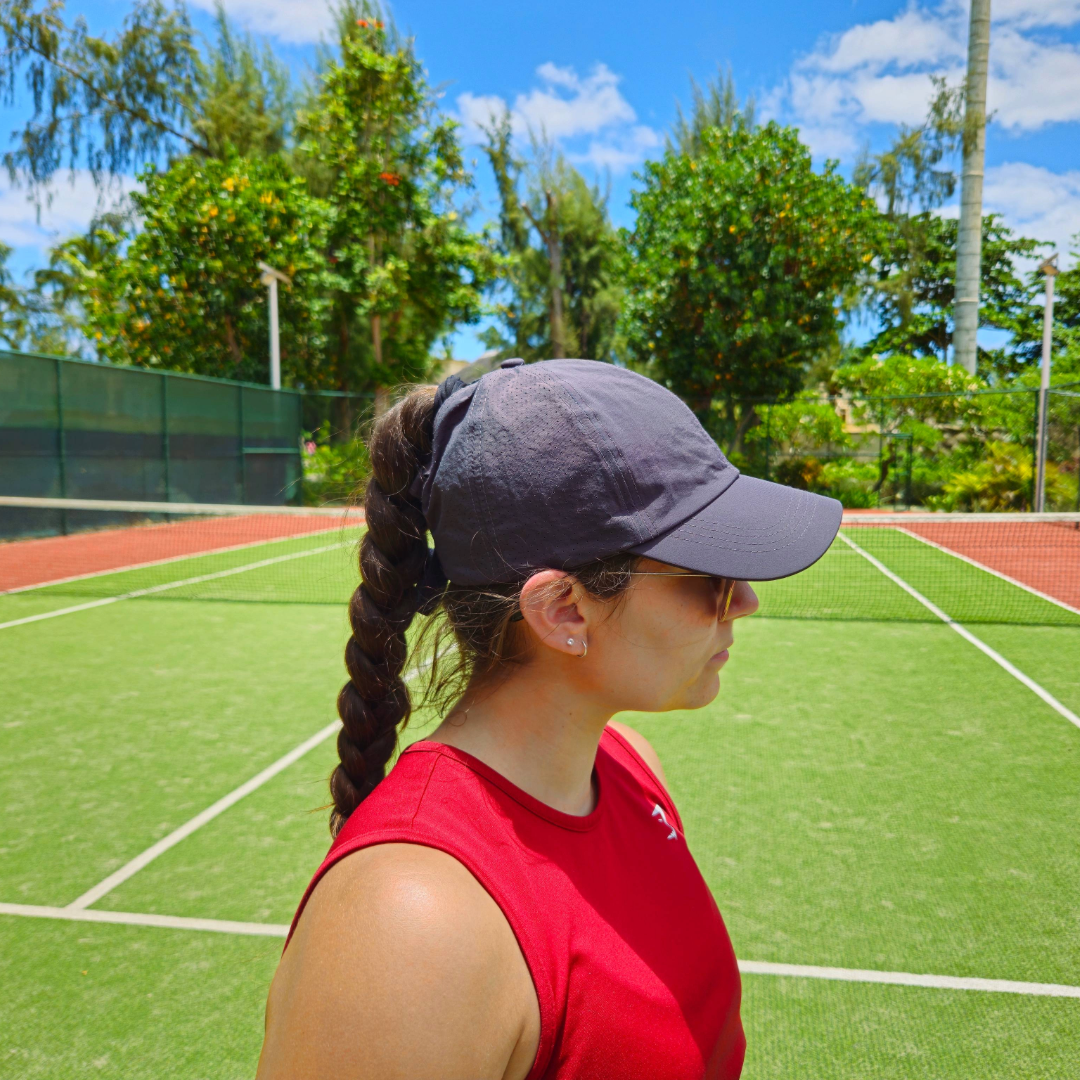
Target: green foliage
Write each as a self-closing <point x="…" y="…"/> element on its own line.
<point x="576" y="253"/>
<point x="914" y="290"/>
<point x="185" y="293"/>
<point x="1027" y="325"/>
<point x="737" y="267"/>
<point x="108" y="105"/>
<point x="244" y="101"/>
<point x="334" y="471"/>
<point x="911" y="173"/>
<point x="405" y="267"/>
<point x="805" y="423"/>
<point x="13" y="313"/>
<point x="1001" y="481"/>
<point x="717" y="106"/>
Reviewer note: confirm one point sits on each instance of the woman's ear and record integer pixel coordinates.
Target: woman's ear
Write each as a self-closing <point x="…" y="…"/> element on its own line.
<point x="551" y="610"/>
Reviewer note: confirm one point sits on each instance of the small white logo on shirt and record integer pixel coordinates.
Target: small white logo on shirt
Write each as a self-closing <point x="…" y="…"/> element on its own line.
<point x="658" y="812"/>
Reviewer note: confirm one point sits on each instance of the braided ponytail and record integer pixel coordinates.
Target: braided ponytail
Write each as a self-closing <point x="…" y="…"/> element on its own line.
<point x="375" y="701"/>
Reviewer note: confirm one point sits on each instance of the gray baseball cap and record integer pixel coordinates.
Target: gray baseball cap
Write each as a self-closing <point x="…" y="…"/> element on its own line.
<point x="559" y="463"/>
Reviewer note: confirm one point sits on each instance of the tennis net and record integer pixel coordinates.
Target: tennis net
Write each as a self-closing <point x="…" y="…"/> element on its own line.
<point x="977" y="568"/>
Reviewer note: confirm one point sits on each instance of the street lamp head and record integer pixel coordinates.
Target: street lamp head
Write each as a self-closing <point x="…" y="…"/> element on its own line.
<point x="270" y="274"/>
<point x="1050" y="266"/>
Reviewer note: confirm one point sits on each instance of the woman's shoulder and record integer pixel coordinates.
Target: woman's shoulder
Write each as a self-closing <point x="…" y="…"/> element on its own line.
<point x="386" y="924"/>
<point x="641" y="748"/>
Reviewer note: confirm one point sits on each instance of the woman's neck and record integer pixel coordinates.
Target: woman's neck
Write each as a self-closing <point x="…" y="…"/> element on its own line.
<point x="535" y="728"/>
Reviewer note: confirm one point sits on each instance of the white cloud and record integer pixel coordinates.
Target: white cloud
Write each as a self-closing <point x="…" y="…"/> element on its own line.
<point x="1031" y="13"/>
<point x="568" y="107"/>
<point x="879" y="72"/>
<point x="298" y="22"/>
<point x="621" y="152"/>
<point x="1036" y="202"/>
<point x="69" y="212"/>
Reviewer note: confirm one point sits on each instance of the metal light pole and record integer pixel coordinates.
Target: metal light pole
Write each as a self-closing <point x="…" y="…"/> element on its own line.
<point x="969" y="236"/>
<point x="1050" y="269"/>
<point x="270" y="278"/>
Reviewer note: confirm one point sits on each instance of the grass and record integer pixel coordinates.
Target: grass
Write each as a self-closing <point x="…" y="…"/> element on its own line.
<point x="862" y="794"/>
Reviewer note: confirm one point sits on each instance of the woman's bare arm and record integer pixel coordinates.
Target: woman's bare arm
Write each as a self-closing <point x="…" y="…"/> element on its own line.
<point x="402" y="966"/>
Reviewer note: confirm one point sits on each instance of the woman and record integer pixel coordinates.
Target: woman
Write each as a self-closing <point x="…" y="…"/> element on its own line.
<point x="516" y="898"/>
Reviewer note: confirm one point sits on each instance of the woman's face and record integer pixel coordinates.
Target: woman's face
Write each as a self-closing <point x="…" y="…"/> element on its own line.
<point x="663" y="646"/>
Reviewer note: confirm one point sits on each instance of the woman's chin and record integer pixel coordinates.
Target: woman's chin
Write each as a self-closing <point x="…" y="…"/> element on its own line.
<point x="705" y="691"/>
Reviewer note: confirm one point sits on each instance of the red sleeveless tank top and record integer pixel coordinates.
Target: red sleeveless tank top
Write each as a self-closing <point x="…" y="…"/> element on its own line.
<point x="633" y="969"/>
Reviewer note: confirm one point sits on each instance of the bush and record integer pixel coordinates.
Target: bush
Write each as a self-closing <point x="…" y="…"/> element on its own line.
<point x="1001" y="481"/>
<point x="333" y="472"/>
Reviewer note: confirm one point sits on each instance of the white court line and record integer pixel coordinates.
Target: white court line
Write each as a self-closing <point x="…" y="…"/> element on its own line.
<point x="153" y="589"/>
<point x="170" y="559"/>
<point x="747" y="967"/>
<point x="903" y="978"/>
<point x="135" y="918"/>
<point x="996" y="573"/>
<point x="998" y="659"/>
<point x="92" y="896"/>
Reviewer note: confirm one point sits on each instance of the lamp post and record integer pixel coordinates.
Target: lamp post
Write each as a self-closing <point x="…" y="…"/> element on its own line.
<point x="1050" y="269"/>
<point x="270" y="278"/>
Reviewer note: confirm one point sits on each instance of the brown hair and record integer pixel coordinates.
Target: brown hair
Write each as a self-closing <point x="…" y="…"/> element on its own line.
<point x="375" y="702"/>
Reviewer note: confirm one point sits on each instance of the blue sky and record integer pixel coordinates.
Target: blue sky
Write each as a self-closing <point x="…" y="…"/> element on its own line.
<point x="604" y="79"/>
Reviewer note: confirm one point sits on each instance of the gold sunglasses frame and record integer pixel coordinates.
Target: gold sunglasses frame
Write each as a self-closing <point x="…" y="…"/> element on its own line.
<point x="729" y="583"/>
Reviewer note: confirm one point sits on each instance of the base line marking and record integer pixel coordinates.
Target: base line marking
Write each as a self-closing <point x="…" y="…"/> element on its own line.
<point x="747" y="967"/>
<point x="154" y="589"/>
<point x="129" y="869"/>
<point x="967" y="635"/>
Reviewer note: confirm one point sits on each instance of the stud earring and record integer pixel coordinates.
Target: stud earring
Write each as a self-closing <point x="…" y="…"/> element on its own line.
<point x="569" y="641"/>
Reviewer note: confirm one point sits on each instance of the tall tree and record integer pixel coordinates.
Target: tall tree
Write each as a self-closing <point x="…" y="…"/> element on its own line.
<point x="913" y="298"/>
<point x="716" y="106"/>
<point x="406" y="268"/>
<point x="913" y="175"/>
<point x="104" y="105"/>
<point x="183" y="291"/>
<point x="738" y="262"/>
<point x="913" y="290"/>
<point x="152" y="92"/>
<point x="13" y="306"/>
<point x="560" y="289"/>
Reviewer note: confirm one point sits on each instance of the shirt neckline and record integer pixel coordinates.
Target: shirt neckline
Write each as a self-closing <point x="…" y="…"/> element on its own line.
<point x="573" y="822"/>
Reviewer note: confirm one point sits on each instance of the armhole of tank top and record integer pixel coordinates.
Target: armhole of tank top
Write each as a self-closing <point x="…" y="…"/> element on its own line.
<point x="541" y="978"/>
<point x="638" y="763"/>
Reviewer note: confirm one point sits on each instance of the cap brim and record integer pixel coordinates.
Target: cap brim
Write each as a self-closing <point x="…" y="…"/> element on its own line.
<point x="754" y="531"/>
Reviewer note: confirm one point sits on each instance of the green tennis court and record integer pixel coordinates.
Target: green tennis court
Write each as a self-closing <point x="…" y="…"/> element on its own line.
<point x="872" y="792"/>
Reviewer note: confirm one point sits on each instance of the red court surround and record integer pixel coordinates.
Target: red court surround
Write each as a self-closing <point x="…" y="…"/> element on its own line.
<point x="36" y="562"/>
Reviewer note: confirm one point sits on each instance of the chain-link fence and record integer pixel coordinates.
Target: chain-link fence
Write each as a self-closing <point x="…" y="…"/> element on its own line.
<point x="948" y="451"/>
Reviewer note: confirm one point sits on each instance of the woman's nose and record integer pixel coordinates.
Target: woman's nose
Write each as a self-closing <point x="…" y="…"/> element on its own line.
<point x="744" y="601"/>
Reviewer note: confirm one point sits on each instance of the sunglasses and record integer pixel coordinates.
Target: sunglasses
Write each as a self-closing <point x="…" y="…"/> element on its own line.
<point x="727" y="586"/>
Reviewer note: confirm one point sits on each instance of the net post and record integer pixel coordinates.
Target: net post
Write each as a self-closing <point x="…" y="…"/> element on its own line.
<point x="165" y="459"/>
<point x="1037" y="419"/>
<point x="240" y="448"/>
<point x="907" y="477"/>
<point x="768" y="436"/>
